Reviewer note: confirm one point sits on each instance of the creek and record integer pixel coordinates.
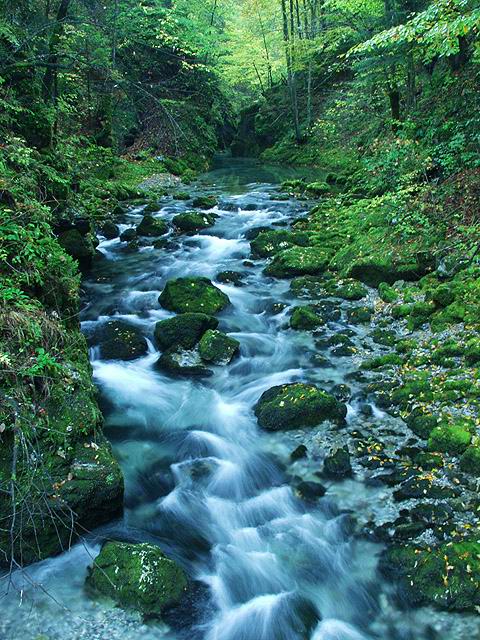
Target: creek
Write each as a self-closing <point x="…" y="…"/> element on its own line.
<point x="202" y="480"/>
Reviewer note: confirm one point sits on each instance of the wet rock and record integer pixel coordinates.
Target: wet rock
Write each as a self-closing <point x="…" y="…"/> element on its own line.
<point x="181" y="195"/>
<point x="310" y="287"/>
<point x="306" y="318"/>
<point x="269" y="243"/>
<point x="184" y="330"/>
<point x="432" y="514"/>
<point x="297" y="405"/>
<point x="298" y="261"/>
<point x="311" y="490"/>
<point x="253" y="233"/>
<point x="422" y="424"/>
<point x="119" y="340"/>
<point x="385" y="337"/>
<point x="183" y="362"/>
<point x="152" y="227"/>
<point x="196" y="295"/>
<point x="470" y="461"/>
<point x="342" y="392"/>
<point x="137" y="576"/>
<point x="423" y="487"/>
<point x="337" y="464"/>
<point x="109" y="230"/>
<point x="350" y="290"/>
<point x="205" y="202"/>
<point x="231" y="277"/>
<point x="445" y="576"/>
<point x="300" y="452"/>
<point x="80" y="247"/>
<point x="218" y="348"/>
<point x="321" y="361"/>
<point x="277" y="307"/>
<point x="360" y="315"/>
<point x="128" y="235"/>
<point x="193" y="221"/>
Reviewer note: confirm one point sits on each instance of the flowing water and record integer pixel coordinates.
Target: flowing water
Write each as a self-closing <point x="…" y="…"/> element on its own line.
<point x="201" y="479"/>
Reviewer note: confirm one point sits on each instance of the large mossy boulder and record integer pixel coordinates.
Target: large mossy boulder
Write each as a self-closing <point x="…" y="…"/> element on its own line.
<point x="152" y="227"/>
<point x="193" y="221"/>
<point x="196" y="295"/>
<point x="119" y="340"/>
<point x="137" y="576"/>
<point x="450" y="438"/>
<point x="388" y="269"/>
<point x="80" y="247"/>
<point x="269" y="243"/>
<point x="446" y="576"/>
<point x="218" y="348"/>
<point x="298" y="261"/>
<point x="297" y="405"/>
<point x="184" y="330"/>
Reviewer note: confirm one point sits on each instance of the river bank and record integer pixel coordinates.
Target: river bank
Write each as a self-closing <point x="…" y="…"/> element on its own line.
<point x="229" y="502"/>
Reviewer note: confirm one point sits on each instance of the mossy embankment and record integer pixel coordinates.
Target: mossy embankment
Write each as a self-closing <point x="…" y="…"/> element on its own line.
<point x="411" y="307"/>
<point x="58" y="476"/>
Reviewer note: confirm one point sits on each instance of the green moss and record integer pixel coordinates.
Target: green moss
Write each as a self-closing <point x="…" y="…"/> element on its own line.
<point x="443" y="296"/>
<point x="318" y="188"/>
<point x="387" y="293"/>
<point x="421" y="423"/>
<point x="193" y="221"/>
<point x="152" y="227"/>
<point x="470" y="460"/>
<point x="401" y="311"/>
<point x="384" y="337"/>
<point x="298" y="261"/>
<point x="297" y="405"/>
<point x="196" y="295"/>
<point x="120" y="341"/>
<point x="306" y="318"/>
<point x="446" y="576"/>
<point x="350" y="290"/>
<point x="205" y="202"/>
<point x="450" y="438"/>
<point x="360" y="315"/>
<point x="218" y="348"/>
<point x="184" y="330"/>
<point x="269" y="243"/>
<point x="78" y="246"/>
<point x="137" y="576"/>
<point x="390" y="359"/>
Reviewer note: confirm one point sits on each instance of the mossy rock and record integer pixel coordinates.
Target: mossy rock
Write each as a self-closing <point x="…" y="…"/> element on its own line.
<point x="193" y="221"/>
<point x="152" y="227"/>
<point x="195" y="294"/>
<point x="443" y="296"/>
<point x="306" y="318"/>
<point x="137" y="576"/>
<point x="470" y="460"/>
<point x="446" y="576"/>
<point x="401" y="311"/>
<point x="230" y="277"/>
<point x="80" y="247"/>
<point x="297" y="405"/>
<point x="422" y="424"/>
<point x="205" y="202"/>
<point x="128" y="235"/>
<point x="350" y="290"/>
<point x="337" y="463"/>
<point x="450" y="438"/>
<point x="388" y="360"/>
<point x="184" y="330"/>
<point x="375" y="270"/>
<point x="472" y="351"/>
<point x="183" y="363"/>
<point x="360" y="315"/>
<point x="120" y="341"/>
<point x="109" y="230"/>
<point x="298" y="261"/>
<point x="318" y="189"/>
<point x="387" y="293"/>
<point x="268" y="243"/>
<point x="218" y="348"/>
<point x="385" y="337"/>
<point x="181" y="195"/>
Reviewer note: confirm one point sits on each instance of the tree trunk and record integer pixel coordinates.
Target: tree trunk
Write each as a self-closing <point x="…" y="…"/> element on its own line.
<point x="50" y="80"/>
<point x="394" y="98"/>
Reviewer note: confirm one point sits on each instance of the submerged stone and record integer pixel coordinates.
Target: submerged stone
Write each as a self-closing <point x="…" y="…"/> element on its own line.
<point x="184" y="330"/>
<point x="194" y="294"/>
<point x="298" y="261"/>
<point x="137" y="576"/>
<point x="297" y="405"/>
<point x="230" y="277"/>
<point x="218" y="348"/>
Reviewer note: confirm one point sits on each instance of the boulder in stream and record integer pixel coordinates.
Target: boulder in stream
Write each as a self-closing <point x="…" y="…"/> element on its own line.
<point x="80" y="247"/>
<point x="152" y="227"/>
<point x="218" y="348"/>
<point x="183" y="362"/>
<point x="119" y="340"/>
<point x="205" y="202"/>
<point x="298" y="261"/>
<point x="184" y="330"/>
<point x="194" y="294"/>
<point x="297" y="405"/>
<point x="137" y="576"/>
<point x="337" y="463"/>
<point x="193" y="221"/>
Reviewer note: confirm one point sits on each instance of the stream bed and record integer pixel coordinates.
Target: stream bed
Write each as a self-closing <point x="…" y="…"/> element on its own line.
<point x="203" y="481"/>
